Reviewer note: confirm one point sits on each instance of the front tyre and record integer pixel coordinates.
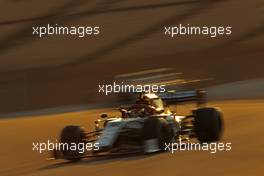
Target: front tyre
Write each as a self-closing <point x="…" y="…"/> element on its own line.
<point x="208" y="124"/>
<point x="72" y="135"/>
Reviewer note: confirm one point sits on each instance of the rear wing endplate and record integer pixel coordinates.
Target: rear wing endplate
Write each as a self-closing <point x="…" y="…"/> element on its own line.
<point x="196" y="96"/>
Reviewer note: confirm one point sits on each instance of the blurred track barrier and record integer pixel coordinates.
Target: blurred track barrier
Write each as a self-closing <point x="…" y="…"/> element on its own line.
<point x="237" y="90"/>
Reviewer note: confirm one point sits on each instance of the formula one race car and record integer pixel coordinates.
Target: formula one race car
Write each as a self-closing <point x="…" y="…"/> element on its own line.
<point x="144" y="127"/>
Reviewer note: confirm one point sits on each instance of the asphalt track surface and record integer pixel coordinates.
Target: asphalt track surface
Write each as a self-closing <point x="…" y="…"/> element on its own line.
<point x="243" y="128"/>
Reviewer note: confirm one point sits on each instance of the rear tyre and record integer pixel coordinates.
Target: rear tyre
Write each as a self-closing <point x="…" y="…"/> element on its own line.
<point x="156" y="132"/>
<point x="70" y="135"/>
<point x="208" y="124"/>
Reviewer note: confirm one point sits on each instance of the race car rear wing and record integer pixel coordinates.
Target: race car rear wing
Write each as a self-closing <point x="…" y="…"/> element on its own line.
<point x="196" y="96"/>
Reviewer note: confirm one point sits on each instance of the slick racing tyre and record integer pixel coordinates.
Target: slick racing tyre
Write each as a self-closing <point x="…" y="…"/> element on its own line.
<point x="72" y="135"/>
<point x="208" y="124"/>
<point x="156" y="132"/>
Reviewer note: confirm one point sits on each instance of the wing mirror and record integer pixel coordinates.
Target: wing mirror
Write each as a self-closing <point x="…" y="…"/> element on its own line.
<point x="104" y="115"/>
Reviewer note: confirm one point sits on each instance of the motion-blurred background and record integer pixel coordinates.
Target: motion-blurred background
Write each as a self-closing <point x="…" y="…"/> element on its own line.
<point x="53" y="71"/>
